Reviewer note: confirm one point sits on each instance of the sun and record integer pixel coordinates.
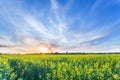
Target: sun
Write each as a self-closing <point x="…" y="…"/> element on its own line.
<point x="43" y="49"/>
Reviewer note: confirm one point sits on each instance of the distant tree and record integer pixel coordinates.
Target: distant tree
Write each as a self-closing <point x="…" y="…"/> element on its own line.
<point x="56" y="52"/>
<point x="67" y="53"/>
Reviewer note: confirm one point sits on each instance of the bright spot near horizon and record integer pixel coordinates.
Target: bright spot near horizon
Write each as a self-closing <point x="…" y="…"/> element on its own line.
<point x="43" y="49"/>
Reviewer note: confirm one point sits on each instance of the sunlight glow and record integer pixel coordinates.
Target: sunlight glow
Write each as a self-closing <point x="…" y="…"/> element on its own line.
<point x="43" y="49"/>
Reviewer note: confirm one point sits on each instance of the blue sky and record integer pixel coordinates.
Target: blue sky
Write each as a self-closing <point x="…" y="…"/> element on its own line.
<point x="59" y="25"/>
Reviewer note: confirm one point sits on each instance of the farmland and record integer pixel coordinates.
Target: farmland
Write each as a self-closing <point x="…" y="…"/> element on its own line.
<point x="60" y="67"/>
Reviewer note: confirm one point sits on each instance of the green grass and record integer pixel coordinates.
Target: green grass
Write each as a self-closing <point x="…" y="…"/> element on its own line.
<point x="60" y="67"/>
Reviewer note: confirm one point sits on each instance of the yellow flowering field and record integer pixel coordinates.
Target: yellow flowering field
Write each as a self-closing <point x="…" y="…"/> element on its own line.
<point x="60" y="67"/>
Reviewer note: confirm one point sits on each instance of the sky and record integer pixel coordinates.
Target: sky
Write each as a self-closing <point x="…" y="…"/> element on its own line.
<point x="33" y="26"/>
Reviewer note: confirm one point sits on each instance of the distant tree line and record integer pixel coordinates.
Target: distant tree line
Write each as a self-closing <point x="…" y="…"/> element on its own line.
<point x="63" y="53"/>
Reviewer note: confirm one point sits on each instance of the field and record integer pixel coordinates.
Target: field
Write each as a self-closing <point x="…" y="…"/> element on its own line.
<point x="60" y="67"/>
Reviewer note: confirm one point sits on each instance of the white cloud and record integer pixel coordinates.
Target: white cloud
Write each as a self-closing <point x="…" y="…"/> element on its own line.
<point x="54" y="4"/>
<point x="95" y="5"/>
<point x="6" y="40"/>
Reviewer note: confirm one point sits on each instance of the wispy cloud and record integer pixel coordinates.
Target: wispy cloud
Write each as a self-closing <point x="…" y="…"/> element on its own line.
<point x="61" y="26"/>
<point x="95" y="5"/>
